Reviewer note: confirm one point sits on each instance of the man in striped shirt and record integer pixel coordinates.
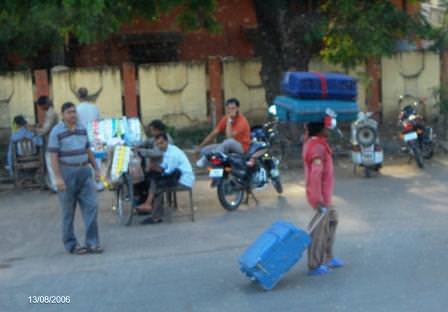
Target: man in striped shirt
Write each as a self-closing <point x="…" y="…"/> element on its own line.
<point x="70" y="158"/>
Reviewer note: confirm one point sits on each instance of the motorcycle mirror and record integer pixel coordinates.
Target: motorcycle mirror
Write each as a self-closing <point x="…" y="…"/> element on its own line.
<point x="272" y="110"/>
<point x="330" y="113"/>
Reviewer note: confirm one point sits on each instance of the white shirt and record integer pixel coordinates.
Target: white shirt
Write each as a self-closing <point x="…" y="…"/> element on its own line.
<point x="174" y="158"/>
<point x="87" y="112"/>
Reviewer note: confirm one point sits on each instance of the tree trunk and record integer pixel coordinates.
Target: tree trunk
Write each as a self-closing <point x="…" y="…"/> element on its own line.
<point x="282" y="42"/>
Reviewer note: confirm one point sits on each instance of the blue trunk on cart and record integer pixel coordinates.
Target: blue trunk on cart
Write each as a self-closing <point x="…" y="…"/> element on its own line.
<point x="313" y="85"/>
<point x="290" y="109"/>
<point x="274" y="253"/>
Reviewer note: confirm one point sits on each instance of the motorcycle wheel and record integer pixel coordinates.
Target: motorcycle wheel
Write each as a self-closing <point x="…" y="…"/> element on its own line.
<point x="277" y="183"/>
<point x="427" y="150"/>
<point x="125" y="201"/>
<point x="418" y="156"/>
<point x="229" y="195"/>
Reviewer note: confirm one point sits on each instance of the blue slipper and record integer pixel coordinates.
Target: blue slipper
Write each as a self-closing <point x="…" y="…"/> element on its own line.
<point x="335" y="263"/>
<point x="321" y="270"/>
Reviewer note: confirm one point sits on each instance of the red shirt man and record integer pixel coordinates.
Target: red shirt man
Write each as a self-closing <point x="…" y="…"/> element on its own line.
<point x="319" y="176"/>
<point x="319" y="180"/>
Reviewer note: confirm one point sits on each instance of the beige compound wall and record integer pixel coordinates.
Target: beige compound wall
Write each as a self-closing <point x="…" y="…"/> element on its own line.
<point x="104" y="84"/>
<point x="241" y="79"/>
<point x="173" y="92"/>
<point x="415" y="73"/>
<point x="16" y="97"/>
<point x="177" y="92"/>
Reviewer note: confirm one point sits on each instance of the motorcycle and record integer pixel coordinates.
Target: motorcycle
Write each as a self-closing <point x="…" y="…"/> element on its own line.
<point x="366" y="149"/>
<point x="236" y="176"/>
<point x="416" y="136"/>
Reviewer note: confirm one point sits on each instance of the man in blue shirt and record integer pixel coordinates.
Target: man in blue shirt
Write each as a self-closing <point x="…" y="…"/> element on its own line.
<point x="21" y="133"/>
<point x="70" y="158"/>
<point x="87" y="112"/>
<point x="175" y="170"/>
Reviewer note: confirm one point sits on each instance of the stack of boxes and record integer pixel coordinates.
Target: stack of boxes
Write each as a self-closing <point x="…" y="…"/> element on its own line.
<point x="111" y="140"/>
<point x="307" y="95"/>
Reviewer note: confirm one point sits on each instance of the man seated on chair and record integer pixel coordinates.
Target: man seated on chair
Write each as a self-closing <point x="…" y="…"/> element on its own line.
<point x="174" y="171"/>
<point x="148" y="148"/>
<point x="21" y="132"/>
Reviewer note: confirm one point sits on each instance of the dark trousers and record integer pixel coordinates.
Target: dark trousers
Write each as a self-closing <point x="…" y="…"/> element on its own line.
<point x="156" y="181"/>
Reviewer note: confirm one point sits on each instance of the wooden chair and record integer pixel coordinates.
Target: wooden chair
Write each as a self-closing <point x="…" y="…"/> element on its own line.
<point x="28" y="164"/>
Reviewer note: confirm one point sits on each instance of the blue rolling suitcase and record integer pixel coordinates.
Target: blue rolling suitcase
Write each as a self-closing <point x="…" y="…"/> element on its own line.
<point x="314" y="85"/>
<point x="275" y="252"/>
<point x="290" y="109"/>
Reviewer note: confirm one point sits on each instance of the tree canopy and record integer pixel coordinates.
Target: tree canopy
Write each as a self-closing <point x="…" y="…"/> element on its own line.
<point x="289" y="32"/>
<point x="29" y="26"/>
<point x="347" y="32"/>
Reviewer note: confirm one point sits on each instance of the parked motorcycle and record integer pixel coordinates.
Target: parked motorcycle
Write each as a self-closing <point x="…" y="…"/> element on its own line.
<point x="236" y="175"/>
<point x="366" y="149"/>
<point x="416" y="136"/>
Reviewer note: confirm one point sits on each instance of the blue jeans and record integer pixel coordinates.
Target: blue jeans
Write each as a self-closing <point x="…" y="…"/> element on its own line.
<point x="80" y="188"/>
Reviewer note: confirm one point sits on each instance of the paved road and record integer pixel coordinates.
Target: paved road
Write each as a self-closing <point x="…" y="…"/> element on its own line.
<point x="393" y="236"/>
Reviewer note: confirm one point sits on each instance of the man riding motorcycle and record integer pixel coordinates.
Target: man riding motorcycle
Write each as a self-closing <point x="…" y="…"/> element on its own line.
<point x="236" y="129"/>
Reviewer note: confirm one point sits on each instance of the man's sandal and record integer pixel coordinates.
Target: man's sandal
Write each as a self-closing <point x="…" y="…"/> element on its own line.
<point x="79" y="250"/>
<point x="151" y="220"/>
<point x="94" y="249"/>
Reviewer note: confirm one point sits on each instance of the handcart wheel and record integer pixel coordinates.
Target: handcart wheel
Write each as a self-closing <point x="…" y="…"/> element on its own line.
<point x="125" y="200"/>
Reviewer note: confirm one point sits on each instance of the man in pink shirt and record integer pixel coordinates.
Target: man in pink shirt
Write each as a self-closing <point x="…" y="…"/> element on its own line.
<point x="319" y="178"/>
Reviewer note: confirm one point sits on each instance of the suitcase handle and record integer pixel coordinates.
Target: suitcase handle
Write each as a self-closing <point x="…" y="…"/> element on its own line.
<point x="262" y="268"/>
<point x="316" y="223"/>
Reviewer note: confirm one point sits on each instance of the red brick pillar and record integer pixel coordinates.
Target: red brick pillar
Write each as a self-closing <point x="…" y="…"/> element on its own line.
<point x="42" y="89"/>
<point x="215" y="76"/>
<point x="444" y="69"/>
<point x="130" y="90"/>
<point x="374" y="91"/>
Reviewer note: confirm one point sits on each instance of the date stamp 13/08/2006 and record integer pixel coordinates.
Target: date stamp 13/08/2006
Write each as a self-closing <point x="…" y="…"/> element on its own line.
<point x="49" y="299"/>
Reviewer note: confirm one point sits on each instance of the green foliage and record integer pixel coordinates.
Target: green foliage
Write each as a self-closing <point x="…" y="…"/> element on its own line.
<point x="441" y="96"/>
<point x="32" y="25"/>
<point x="440" y="32"/>
<point x="358" y="30"/>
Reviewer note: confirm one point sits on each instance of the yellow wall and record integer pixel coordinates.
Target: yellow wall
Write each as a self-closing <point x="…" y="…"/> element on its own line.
<point x="106" y="82"/>
<point x="16" y="97"/>
<point x="177" y="92"/>
<point x="412" y="73"/>
<point x="241" y="79"/>
<point x="173" y="92"/>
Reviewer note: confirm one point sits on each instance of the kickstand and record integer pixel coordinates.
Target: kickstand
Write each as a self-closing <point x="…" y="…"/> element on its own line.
<point x="249" y="193"/>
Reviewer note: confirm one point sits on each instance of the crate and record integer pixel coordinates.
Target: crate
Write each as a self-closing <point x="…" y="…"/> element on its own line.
<point x="295" y="110"/>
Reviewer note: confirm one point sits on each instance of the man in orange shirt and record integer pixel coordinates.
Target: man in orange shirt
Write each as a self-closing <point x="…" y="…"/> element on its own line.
<point x="236" y="129"/>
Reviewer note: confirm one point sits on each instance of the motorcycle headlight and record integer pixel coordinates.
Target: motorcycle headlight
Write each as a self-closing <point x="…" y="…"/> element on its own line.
<point x="366" y="135"/>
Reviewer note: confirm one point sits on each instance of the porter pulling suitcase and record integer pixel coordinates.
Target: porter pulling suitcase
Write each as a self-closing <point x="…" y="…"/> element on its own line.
<point x="275" y="252"/>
